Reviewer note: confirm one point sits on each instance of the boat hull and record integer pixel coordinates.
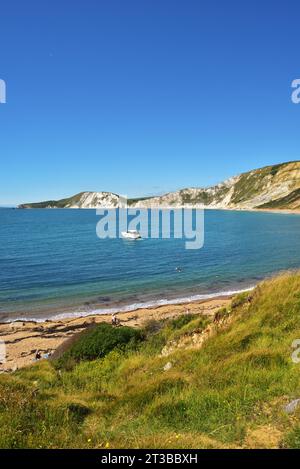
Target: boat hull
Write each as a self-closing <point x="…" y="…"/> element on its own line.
<point x="133" y="236"/>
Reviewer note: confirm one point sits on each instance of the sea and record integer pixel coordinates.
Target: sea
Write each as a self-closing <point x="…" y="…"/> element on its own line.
<point x="53" y="264"/>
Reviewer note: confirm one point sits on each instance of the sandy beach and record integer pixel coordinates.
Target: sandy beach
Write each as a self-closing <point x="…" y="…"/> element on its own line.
<point x="22" y="339"/>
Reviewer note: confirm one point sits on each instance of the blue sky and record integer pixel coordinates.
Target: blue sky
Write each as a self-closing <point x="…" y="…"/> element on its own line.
<point x="144" y="96"/>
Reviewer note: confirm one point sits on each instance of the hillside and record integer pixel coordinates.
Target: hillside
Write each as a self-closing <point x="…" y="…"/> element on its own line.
<point x="81" y="200"/>
<point x="182" y="383"/>
<point x="271" y="187"/>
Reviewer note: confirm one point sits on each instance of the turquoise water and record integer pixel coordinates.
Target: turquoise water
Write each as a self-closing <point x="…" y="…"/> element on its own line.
<point x="52" y="263"/>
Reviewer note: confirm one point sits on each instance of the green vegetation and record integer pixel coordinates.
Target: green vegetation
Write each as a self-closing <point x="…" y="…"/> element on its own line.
<point x="230" y="391"/>
<point x="97" y="342"/>
<point x="62" y="203"/>
<point x="203" y="196"/>
<point x="139" y="199"/>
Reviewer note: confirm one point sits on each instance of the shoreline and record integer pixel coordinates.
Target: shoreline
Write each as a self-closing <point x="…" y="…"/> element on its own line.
<point x="290" y="211"/>
<point x="22" y="339"/>
<point x="118" y="307"/>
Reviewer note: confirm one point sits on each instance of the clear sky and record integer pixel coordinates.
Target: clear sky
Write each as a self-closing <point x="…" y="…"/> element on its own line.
<point x="144" y="96"/>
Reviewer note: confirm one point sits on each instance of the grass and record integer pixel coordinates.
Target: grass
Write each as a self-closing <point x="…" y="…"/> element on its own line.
<point x="228" y="393"/>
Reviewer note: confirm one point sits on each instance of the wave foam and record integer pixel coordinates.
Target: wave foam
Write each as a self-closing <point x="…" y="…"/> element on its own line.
<point x="134" y="306"/>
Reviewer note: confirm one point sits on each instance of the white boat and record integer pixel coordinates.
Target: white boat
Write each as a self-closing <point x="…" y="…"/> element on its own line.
<point x="131" y="234"/>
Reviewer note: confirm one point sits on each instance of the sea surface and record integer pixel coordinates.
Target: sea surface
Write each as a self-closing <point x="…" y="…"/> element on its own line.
<point x="52" y="264"/>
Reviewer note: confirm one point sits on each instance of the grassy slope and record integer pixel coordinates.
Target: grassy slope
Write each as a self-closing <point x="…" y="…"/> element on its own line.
<point x="229" y="393"/>
<point x="54" y="203"/>
<point x="254" y="183"/>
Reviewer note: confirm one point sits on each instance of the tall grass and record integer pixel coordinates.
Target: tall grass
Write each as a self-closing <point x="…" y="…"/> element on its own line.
<point x="231" y="392"/>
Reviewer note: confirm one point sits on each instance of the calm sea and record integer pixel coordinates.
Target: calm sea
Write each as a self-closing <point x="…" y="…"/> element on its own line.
<point x="53" y="264"/>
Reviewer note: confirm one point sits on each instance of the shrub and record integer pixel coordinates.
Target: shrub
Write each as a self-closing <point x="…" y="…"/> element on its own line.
<point x="98" y="342"/>
<point x="181" y="321"/>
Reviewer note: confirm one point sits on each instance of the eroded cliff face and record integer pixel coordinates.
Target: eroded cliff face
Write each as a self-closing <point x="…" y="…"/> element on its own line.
<point x="95" y="199"/>
<point x="275" y="187"/>
<point x="249" y="190"/>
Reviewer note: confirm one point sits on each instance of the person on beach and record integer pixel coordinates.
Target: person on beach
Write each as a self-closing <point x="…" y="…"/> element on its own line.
<point x="38" y="355"/>
<point x="114" y="320"/>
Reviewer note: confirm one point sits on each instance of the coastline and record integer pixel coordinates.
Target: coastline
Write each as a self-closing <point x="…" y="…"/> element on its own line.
<point x="22" y="338"/>
<point x="290" y="211"/>
<point x="117" y="307"/>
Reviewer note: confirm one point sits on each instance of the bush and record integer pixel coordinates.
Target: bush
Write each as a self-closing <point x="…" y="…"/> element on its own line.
<point x="181" y="321"/>
<point x="98" y="342"/>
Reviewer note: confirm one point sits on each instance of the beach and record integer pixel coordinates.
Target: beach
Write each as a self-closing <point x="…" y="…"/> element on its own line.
<point x="22" y="339"/>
